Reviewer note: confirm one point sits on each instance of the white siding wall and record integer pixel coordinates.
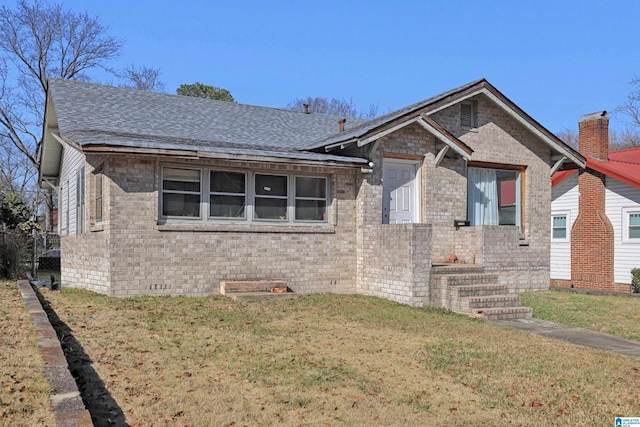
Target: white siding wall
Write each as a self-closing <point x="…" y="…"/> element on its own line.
<point x="627" y="255"/>
<point x="72" y="161"/>
<point x="564" y="199"/>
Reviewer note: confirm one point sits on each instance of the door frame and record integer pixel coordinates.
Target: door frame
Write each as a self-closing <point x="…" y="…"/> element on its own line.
<point x="416" y="161"/>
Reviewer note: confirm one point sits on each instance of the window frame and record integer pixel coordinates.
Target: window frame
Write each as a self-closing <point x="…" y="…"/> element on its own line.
<point x="200" y="193"/>
<point x="209" y="171"/>
<point x="520" y="172"/>
<point x="80" y="201"/>
<point x="296" y="198"/>
<point x="98" y="197"/>
<point x="626" y="224"/>
<point x="286" y="197"/>
<point x="567" y="226"/>
<point x="250" y="197"/>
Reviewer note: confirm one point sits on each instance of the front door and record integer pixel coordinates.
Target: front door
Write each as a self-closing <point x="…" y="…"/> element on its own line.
<point x="400" y="191"/>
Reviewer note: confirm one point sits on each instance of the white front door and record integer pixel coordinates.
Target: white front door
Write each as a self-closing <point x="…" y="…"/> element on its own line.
<point x="400" y="191"/>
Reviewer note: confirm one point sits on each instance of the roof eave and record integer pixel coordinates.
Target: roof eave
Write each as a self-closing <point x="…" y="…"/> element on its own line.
<point x="343" y="162"/>
<point x="605" y="168"/>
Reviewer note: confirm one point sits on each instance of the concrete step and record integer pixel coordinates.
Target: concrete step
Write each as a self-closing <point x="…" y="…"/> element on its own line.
<point x="479" y="290"/>
<point x="469" y="279"/>
<point x="502" y="313"/>
<point x="260" y="296"/>
<point x="456" y="269"/>
<point x="490" y="301"/>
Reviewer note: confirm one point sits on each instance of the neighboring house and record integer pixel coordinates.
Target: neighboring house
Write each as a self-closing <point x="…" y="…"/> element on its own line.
<point x="595" y="240"/>
<point x="170" y="195"/>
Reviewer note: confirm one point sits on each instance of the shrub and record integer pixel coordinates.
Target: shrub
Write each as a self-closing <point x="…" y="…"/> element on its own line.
<point x="635" y="279"/>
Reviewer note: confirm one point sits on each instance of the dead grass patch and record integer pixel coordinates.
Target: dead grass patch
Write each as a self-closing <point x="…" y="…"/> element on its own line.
<point x="24" y="396"/>
<point x="336" y="360"/>
<point x="615" y="315"/>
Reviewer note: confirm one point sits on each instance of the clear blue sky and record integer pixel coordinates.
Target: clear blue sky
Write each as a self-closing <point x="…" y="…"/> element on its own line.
<point x="556" y="59"/>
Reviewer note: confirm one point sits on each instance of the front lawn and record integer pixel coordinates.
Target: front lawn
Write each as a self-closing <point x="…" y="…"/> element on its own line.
<point x="24" y="396"/>
<point x="615" y="315"/>
<point x="332" y="360"/>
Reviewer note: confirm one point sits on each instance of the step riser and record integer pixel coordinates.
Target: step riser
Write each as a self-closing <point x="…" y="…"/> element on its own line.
<point x="478" y="290"/>
<point x="504" y="301"/>
<point x="504" y="313"/>
<point x="467" y="279"/>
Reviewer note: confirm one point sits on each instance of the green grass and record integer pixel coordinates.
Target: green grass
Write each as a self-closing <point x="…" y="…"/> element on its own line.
<point x="609" y="314"/>
<point x="24" y="391"/>
<point x="336" y="360"/>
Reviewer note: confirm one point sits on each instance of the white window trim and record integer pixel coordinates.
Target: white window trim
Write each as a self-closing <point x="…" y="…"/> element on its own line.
<point x="566" y="214"/>
<point x="249" y="218"/>
<point x="626" y="213"/>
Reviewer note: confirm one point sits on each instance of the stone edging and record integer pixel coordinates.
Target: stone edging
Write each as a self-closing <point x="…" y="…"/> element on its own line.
<point x="68" y="408"/>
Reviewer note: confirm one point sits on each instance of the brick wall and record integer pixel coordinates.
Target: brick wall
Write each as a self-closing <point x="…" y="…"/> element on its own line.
<point x="137" y="255"/>
<point x="592" y="235"/>
<point x="397" y="262"/>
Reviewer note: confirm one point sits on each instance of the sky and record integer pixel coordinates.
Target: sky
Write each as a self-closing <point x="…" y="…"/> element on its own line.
<point x="557" y="60"/>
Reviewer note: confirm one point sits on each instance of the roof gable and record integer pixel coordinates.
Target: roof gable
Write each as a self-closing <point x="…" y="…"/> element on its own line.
<point x="376" y="128"/>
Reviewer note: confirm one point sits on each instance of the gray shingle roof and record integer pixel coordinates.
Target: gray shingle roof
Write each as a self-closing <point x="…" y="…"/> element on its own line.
<point x="91" y="114"/>
<point x="362" y="128"/>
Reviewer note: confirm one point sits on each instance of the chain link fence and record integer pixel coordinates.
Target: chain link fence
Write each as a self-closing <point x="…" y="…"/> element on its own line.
<point x="34" y="253"/>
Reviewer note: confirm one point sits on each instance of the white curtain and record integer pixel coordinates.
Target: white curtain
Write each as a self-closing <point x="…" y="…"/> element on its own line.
<point x="482" y="204"/>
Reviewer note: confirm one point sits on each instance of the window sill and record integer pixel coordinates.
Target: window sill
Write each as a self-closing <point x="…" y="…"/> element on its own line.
<point x="248" y="228"/>
<point x="96" y="228"/>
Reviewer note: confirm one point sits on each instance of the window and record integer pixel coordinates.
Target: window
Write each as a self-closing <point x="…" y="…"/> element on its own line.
<point x="181" y="192"/>
<point x="559" y="226"/>
<point x="80" y="201"/>
<point x="311" y="199"/>
<point x="243" y="196"/>
<point x="228" y="194"/>
<point x="271" y="197"/>
<point x="468" y="114"/>
<point x="98" y="197"/>
<point x="634" y="225"/>
<point x="493" y="196"/>
<point x="631" y="225"/>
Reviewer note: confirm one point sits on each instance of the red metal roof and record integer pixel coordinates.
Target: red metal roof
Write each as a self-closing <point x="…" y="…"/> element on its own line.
<point x="558" y="177"/>
<point x="623" y="165"/>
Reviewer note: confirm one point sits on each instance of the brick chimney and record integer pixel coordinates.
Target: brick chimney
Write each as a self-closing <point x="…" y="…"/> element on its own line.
<point x="592" y="233"/>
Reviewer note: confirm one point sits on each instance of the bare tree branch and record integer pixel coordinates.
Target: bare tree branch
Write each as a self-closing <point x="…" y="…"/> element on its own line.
<point x="143" y="78"/>
<point x="41" y="42"/>
<point x="333" y="107"/>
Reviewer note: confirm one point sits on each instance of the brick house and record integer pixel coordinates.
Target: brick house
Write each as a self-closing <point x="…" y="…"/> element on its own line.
<point x="595" y="215"/>
<point x="170" y="195"/>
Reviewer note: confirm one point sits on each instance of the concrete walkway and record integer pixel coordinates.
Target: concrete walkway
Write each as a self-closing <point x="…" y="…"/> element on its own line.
<point x="578" y="336"/>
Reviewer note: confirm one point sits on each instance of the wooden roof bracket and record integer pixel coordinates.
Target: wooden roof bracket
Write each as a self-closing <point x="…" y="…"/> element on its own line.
<point x="441" y="154"/>
<point x="558" y="164"/>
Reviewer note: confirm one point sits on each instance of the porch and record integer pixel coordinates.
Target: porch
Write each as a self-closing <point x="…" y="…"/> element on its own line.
<point x="494" y="264"/>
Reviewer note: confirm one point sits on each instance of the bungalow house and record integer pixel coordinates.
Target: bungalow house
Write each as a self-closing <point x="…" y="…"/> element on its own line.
<point x="595" y="240"/>
<point x="171" y="195"/>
